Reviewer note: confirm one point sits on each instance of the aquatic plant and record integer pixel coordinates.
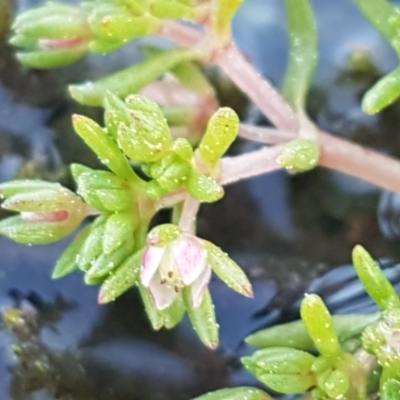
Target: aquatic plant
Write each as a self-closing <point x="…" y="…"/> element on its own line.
<point x="150" y="169"/>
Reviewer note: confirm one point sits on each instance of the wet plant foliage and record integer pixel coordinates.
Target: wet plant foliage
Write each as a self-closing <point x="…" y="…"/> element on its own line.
<point x="163" y="144"/>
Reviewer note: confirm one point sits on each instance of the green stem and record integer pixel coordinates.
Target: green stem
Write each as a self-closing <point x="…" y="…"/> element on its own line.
<point x="303" y="52"/>
<point x="177" y="213"/>
<point x="141" y="235"/>
<point x="379" y="13"/>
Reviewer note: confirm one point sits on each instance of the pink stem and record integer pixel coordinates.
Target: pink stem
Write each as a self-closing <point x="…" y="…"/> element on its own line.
<point x="181" y="34"/>
<point x="170" y="200"/>
<point x="265" y="135"/>
<point x="250" y="164"/>
<point x="242" y="73"/>
<point x="337" y="154"/>
<point x="355" y="160"/>
<point x="188" y="218"/>
<point x="259" y="90"/>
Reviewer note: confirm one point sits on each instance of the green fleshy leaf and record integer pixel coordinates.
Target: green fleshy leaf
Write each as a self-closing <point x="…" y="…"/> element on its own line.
<point x="204" y="188"/>
<point x="41" y="12"/>
<point x="227" y="270"/>
<point x="42" y="201"/>
<point x="138" y="7"/>
<point x="129" y="80"/>
<point x="105" y="264"/>
<point x="147" y="140"/>
<point x="93" y="245"/>
<point x="294" y="334"/>
<point x="336" y="384"/>
<point x="191" y="76"/>
<point x="125" y="277"/>
<point x="239" y="393"/>
<point x="279" y="360"/>
<point x="182" y="148"/>
<point x="390" y="390"/>
<point x="187" y="73"/>
<point x="11" y="188"/>
<point x="385" y="92"/>
<point x="119" y="227"/>
<point x="320" y="327"/>
<point x="174" y="313"/>
<point x="111" y="22"/>
<point x="288" y="384"/>
<point x="105" y="191"/>
<point x="34" y="233"/>
<point x="380" y="13"/>
<point x="164" y="234"/>
<point x="167" y="318"/>
<point x="138" y="102"/>
<point x="224" y="13"/>
<point x="155" y="316"/>
<point x="303" y="53"/>
<point x="174" y="177"/>
<point x="299" y="155"/>
<point x="51" y="59"/>
<point x="103" y="145"/>
<point x="222" y="130"/>
<point x="374" y="280"/>
<point x="203" y="319"/>
<point x="78" y="169"/>
<point x="154" y="190"/>
<point x="103" y="46"/>
<point x="321" y="365"/>
<point x="66" y="264"/>
<point x="23" y="41"/>
<point x="172" y="9"/>
<point x="55" y="25"/>
<point x="116" y="113"/>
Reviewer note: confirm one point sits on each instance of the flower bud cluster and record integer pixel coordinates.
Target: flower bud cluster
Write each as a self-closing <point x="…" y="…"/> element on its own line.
<point x="52" y="36"/>
<point x="56" y="35"/>
<point x="48" y="211"/>
<point x="382" y="339"/>
<point x="334" y="374"/>
<point x="140" y="130"/>
<point x="106" y="243"/>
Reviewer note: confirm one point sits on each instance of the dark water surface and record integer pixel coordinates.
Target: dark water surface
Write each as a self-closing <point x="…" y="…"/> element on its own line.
<point x="285" y="231"/>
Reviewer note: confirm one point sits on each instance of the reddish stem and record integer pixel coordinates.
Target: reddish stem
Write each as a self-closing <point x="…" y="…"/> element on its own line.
<point x="259" y="90"/>
<point x="355" y="160"/>
<point x="336" y="153"/>
<point x="250" y="164"/>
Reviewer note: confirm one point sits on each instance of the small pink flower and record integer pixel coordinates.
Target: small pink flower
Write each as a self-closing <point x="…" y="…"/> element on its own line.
<point x="169" y="268"/>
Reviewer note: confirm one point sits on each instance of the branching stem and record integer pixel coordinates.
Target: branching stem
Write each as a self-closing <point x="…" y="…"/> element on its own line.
<point x="336" y="153"/>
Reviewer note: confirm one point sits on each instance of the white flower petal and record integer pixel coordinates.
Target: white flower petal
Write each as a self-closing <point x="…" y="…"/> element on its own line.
<point x="190" y="258"/>
<point x="150" y="263"/>
<point x="163" y="295"/>
<point x="199" y="286"/>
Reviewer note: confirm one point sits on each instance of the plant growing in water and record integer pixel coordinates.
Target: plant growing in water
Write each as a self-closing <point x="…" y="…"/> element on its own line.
<point x="149" y="169"/>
